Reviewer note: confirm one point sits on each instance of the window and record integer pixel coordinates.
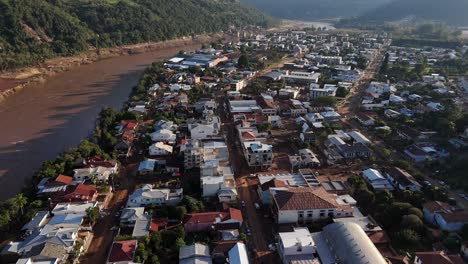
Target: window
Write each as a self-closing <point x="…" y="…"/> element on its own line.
<point x="322" y="214"/>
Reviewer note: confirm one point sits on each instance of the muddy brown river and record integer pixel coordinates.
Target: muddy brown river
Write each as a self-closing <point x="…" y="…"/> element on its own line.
<point x="43" y="120"/>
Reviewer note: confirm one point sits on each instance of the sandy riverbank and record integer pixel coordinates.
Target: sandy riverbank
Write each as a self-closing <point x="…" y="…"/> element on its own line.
<point x="15" y="81"/>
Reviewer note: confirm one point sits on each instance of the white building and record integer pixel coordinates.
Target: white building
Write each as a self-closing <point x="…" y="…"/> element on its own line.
<point x="163" y="135"/>
<point x="258" y="154"/>
<point x="306" y="204"/>
<point x="296" y="246"/>
<point x="295" y="77"/>
<point x="327" y="90"/>
<point x="147" y="195"/>
<point x="202" y="131"/>
<point x="160" y="149"/>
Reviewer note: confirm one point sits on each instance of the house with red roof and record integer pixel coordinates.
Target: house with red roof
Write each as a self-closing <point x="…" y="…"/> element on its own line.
<point x="122" y="252"/>
<point x="307" y="204"/>
<point x="436" y="257"/>
<point x="96" y="161"/>
<point x="445" y="216"/>
<point x="51" y="187"/>
<point x="78" y="193"/>
<point x="209" y="221"/>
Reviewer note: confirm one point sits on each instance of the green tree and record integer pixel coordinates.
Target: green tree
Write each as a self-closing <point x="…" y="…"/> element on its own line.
<point x="326" y="101"/>
<point x="179" y="242"/>
<point x="243" y="61"/>
<point x="407" y="238"/>
<point x="20" y="201"/>
<point x="412" y="222"/>
<point x="342" y="92"/>
<point x="92" y="213"/>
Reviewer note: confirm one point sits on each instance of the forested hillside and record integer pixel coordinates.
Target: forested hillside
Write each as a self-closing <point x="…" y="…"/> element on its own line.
<point x="452" y="12"/>
<point x="310" y="10"/>
<point x="31" y="31"/>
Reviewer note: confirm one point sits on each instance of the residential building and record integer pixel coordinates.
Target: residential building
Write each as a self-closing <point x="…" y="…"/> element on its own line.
<point x="422" y="151"/>
<point x="208" y="221"/>
<point x="146" y="195"/>
<point x="217" y="180"/>
<point x="196" y="253"/>
<point x="122" y="252"/>
<point x="203" y="131"/>
<point x="78" y="193"/>
<point x="238" y="254"/>
<point x="327" y="90"/>
<point x="365" y="120"/>
<point x="163" y="135"/>
<point x="436" y="257"/>
<point x="304" y="78"/>
<point x="258" y="154"/>
<point x="99" y="173"/>
<point x="359" y="138"/>
<point x="146" y="167"/>
<point x="244" y="106"/>
<point x="445" y="216"/>
<point x="65" y="238"/>
<point x="160" y="149"/>
<point x="72" y="208"/>
<point x="376" y="180"/>
<point x="296" y="246"/>
<point x="402" y="179"/>
<point x="306" y="204"/>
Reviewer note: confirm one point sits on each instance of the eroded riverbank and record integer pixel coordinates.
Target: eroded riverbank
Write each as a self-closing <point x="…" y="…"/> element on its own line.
<point x="48" y="117"/>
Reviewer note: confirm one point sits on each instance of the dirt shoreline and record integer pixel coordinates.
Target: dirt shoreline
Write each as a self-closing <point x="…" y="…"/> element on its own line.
<point x="17" y="80"/>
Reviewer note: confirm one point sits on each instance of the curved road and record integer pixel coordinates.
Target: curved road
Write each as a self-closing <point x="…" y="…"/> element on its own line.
<point x="43" y="120"/>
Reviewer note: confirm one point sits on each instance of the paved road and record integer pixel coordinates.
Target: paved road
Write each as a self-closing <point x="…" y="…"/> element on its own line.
<point x="260" y="231"/>
<point x="103" y="236"/>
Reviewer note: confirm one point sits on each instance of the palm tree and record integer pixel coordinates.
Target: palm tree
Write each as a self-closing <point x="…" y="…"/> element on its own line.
<point x="20" y="200"/>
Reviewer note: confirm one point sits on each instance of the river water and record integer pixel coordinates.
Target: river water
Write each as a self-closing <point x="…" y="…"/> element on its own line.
<point x="44" y="120"/>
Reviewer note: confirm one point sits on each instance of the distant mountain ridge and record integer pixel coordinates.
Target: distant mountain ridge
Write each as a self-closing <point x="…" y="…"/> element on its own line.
<point x="34" y="30"/>
<point x="310" y="10"/>
<point x="452" y="12"/>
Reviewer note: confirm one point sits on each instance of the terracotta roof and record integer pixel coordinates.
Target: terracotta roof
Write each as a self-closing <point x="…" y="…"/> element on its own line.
<point x="438" y="257"/>
<point x="63" y="179"/>
<point x="248" y="135"/>
<point x="272" y="183"/>
<point x="399" y="260"/>
<point x="208" y="217"/>
<point x="455" y="217"/>
<point x="434" y="206"/>
<point x="128" y="136"/>
<point x="157" y="224"/>
<point x="122" y="251"/>
<point x="304" y="198"/>
<point x="236" y="214"/>
<point x="402" y="176"/>
<point x="378" y="237"/>
<point x="77" y="193"/>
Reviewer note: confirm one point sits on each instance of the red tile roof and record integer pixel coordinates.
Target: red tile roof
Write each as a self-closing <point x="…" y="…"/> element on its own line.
<point x="248" y="135"/>
<point x="236" y="214"/>
<point x="205" y="218"/>
<point x="157" y="224"/>
<point x="438" y="257"/>
<point x="378" y="237"/>
<point x="434" y="206"/>
<point x="272" y="183"/>
<point x="304" y="198"/>
<point x="78" y="193"/>
<point x="63" y="179"/>
<point x="122" y="251"/>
